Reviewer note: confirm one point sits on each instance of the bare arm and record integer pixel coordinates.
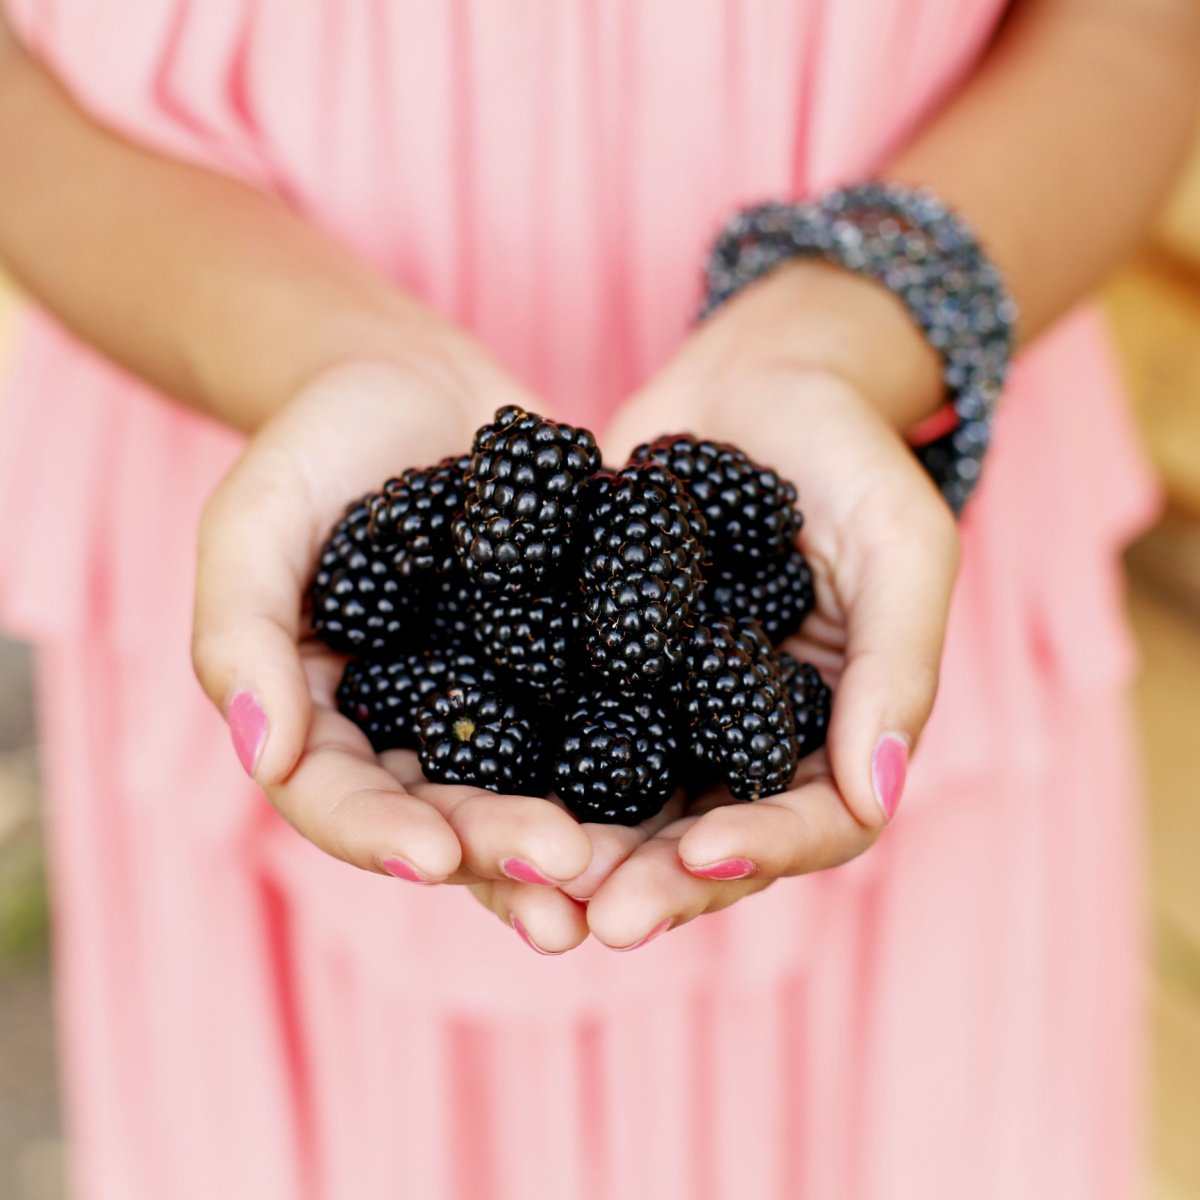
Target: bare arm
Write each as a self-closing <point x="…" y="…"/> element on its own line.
<point x="1063" y="146"/>
<point x="210" y="290"/>
<point x="1058" y="148"/>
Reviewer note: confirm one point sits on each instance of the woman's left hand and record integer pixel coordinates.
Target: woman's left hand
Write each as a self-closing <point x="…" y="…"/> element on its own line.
<point x="883" y="547"/>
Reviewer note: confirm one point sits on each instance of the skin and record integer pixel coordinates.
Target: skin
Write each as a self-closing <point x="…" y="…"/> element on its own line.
<point x="1058" y="149"/>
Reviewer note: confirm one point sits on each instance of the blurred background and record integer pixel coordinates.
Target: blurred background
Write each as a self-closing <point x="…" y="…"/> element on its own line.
<point x="1154" y="303"/>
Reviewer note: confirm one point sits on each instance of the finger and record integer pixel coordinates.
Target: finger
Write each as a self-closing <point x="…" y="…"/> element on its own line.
<point x="806" y="829"/>
<point x="250" y="576"/>
<point x="543" y="918"/>
<point x="895" y="583"/>
<point x="345" y="802"/>
<point x="613" y="844"/>
<point x="652" y="892"/>
<point x="405" y="767"/>
<point x="643" y="415"/>
<point x="524" y="838"/>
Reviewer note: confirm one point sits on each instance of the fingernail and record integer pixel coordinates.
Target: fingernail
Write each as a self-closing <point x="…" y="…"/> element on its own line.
<point x="727" y="868"/>
<point x="248" y="727"/>
<point x="523" y="872"/>
<point x="661" y="927"/>
<point x="524" y="934"/>
<point x="403" y="870"/>
<point x="889" y="766"/>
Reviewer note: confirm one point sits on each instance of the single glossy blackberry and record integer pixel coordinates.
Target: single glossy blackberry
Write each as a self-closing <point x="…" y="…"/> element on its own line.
<point x="382" y="698"/>
<point x="358" y="603"/>
<point x="413" y="514"/>
<point x="522" y="501"/>
<point x="812" y="702"/>
<point x="751" y="512"/>
<point x="641" y="566"/>
<point x="474" y="735"/>
<point x="618" y="760"/>
<point x="740" y="711"/>
<point x="532" y="639"/>
<point x="778" y="593"/>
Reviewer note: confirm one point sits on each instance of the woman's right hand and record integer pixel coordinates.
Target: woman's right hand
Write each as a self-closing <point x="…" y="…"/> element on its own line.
<point x="350" y="428"/>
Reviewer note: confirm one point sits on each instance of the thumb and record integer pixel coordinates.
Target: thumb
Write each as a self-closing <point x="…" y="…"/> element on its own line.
<point x="655" y="410"/>
<point x="251" y="570"/>
<point x="896" y="588"/>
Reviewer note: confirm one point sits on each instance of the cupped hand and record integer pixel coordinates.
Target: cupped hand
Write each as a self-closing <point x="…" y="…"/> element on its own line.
<point x="347" y="431"/>
<point x="883" y="548"/>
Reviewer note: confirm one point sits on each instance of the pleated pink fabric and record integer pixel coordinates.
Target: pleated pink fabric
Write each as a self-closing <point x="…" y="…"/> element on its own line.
<point x="952" y="1015"/>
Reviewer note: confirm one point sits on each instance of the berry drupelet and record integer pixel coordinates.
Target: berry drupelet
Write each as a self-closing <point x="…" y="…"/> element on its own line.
<point x="413" y="514"/>
<point x="618" y="761"/>
<point x="778" y="593"/>
<point x="471" y="734"/>
<point x="451" y="600"/>
<point x="812" y="702"/>
<point x="641" y="573"/>
<point x="532" y="639"/>
<point x="739" y="709"/>
<point x="750" y="512"/>
<point x="522" y="499"/>
<point x="382" y="698"/>
<point x="359" y="604"/>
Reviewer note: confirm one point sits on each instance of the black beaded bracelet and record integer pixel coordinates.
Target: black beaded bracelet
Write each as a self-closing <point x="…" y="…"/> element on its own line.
<point x="909" y="241"/>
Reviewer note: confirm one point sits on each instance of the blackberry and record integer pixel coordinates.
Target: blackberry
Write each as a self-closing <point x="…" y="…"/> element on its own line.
<point x="382" y="698"/>
<point x="522" y="499"/>
<point x="640" y="574"/>
<point x="413" y="514"/>
<point x="358" y="603"/>
<point x="452" y="600"/>
<point x="532" y="639"/>
<point x="751" y="512"/>
<point x="618" y="760"/>
<point x="778" y="594"/>
<point x="473" y="735"/>
<point x="740" y="711"/>
<point x="812" y="700"/>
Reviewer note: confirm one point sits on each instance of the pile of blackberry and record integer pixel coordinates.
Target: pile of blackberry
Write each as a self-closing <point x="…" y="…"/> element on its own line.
<point x="529" y="621"/>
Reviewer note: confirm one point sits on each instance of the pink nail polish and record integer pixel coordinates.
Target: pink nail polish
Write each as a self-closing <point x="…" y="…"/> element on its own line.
<point x="661" y="927"/>
<point x="522" y="872"/>
<point x="889" y="767"/>
<point x="727" y="868"/>
<point x="402" y="870"/>
<point x="248" y="727"/>
<point x="524" y="934"/>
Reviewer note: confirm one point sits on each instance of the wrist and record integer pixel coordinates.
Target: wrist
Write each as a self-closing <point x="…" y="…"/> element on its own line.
<point x="324" y="338"/>
<point x="816" y="317"/>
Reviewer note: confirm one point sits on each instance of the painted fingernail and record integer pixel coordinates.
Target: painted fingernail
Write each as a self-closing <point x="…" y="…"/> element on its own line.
<point x="248" y="727"/>
<point x="889" y="767"/>
<point x="523" y="872"/>
<point x="661" y="927"/>
<point x="404" y="870"/>
<point x="524" y="934"/>
<point x="727" y="868"/>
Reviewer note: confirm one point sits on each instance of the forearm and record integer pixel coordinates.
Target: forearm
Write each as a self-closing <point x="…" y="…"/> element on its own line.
<point x="1063" y="146"/>
<point x="206" y="288"/>
<point x="1058" y="150"/>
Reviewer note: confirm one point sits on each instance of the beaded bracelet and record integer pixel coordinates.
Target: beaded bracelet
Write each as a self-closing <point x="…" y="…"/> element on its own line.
<point x="909" y="241"/>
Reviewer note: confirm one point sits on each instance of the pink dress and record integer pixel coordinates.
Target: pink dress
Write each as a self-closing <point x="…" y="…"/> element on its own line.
<point x="952" y="1015"/>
